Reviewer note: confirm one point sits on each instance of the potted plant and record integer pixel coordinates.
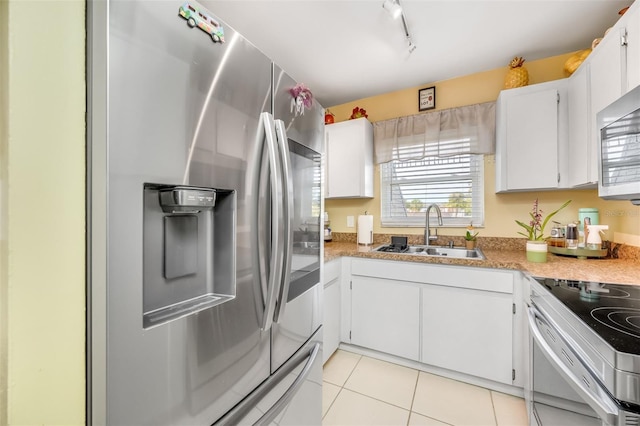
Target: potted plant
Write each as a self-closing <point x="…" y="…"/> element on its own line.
<point x="470" y="237"/>
<point x="536" y="242"/>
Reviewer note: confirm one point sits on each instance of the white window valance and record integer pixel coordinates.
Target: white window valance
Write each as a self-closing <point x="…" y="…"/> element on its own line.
<point x="469" y="129"/>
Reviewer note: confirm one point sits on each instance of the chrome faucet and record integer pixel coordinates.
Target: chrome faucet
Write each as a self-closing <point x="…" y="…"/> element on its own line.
<point x="427" y="232"/>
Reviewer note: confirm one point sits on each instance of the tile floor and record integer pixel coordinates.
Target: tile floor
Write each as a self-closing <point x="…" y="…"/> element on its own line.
<point x="359" y="390"/>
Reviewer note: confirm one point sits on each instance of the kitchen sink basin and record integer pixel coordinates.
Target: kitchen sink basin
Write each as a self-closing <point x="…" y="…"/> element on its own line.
<point x="442" y="251"/>
<point x="457" y="252"/>
<point x="306" y="244"/>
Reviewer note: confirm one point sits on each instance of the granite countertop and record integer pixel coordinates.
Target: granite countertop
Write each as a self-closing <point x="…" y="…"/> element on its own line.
<point x="623" y="271"/>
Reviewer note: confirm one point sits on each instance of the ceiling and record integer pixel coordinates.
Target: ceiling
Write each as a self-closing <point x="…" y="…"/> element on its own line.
<point x="345" y="50"/>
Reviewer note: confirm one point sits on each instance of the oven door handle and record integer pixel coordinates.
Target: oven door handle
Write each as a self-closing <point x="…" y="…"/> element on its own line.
<point x="602" y="404"/>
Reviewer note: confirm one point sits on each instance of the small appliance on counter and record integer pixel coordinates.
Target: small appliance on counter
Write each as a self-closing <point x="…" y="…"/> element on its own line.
<point x="327" y="229"/>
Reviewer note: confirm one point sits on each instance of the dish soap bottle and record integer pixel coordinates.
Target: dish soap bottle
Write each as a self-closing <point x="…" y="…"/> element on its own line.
<point x="594" y="241"/>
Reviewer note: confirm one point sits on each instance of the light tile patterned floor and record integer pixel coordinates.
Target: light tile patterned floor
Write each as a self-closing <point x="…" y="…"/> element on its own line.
<point x="359" y="390"/>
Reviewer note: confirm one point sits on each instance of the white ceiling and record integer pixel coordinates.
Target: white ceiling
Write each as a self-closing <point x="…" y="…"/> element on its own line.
<point x="345" y="50"/>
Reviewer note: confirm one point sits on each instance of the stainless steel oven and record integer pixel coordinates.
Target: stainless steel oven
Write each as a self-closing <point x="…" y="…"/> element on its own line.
<point x="584" y="356"/>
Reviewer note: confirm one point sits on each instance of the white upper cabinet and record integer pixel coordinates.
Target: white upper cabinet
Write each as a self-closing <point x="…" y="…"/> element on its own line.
<point x="608" y="68"/>
<point x="349" y="159"/>
<point x="612" y="69"/>
<point x="632" y="24"/>
<point x="608" y="77"/>
<point x="582" y="170"/>
<point x="531" y="137"/>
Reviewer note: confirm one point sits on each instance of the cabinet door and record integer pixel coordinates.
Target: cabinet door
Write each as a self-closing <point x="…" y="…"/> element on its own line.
<point x="331" y="325"/>
<point x="633" y="48"/>
<point x="532" y="140"/>
<point x="531" y="137"/>
<point x="349" y="154"/>
<point x="608" y="65"/>
<point x="385" y="316"/>
<point x="469" y="331"/>
<point x="582" y="168"/>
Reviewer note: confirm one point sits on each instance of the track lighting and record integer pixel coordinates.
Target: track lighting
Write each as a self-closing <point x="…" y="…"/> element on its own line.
<point x="393" y="7"/>
<point x="395" y="10"/>
<point x="412" y="46"/>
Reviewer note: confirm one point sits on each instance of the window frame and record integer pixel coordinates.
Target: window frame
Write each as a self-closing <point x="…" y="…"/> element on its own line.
<point x="476" y="175"/>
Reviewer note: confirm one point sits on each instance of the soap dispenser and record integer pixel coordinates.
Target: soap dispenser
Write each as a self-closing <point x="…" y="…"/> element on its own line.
<point x="594" y="241"/>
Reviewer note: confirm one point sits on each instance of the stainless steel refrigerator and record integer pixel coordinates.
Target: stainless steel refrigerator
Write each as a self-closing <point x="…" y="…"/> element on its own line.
<point x="204" y="177"/>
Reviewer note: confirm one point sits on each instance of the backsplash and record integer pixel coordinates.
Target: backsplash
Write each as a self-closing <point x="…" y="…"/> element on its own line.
<point x="616" y="251"/>
<point x="624" y="251"/>
<point x="493" y="243"/>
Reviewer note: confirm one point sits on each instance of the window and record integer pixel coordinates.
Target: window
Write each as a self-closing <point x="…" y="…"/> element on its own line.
<point x="454" y="183"/>
<point x="435" y="158"/>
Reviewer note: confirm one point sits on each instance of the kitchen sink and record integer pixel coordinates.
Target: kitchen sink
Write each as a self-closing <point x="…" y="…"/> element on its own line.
<point x="306" y="244"/>
<point x="440" y="251"/>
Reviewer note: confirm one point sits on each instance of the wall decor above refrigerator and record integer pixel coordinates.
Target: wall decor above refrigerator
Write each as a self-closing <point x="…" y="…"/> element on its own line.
<point x="205" y="302"/>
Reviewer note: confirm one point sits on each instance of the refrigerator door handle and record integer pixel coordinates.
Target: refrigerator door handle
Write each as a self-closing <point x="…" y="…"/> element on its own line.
<point x="287" y="180"/>
<point x="240" y="411"/>
<point x="277" y="233"/>
<point x="284" y="400"/>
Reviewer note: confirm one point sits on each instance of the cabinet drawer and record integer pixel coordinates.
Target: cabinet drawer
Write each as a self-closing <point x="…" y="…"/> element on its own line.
<point x="452" y="276"/>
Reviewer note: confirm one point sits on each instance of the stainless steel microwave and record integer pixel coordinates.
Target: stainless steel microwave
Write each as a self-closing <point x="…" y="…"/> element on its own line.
<point x="619" y="149"/>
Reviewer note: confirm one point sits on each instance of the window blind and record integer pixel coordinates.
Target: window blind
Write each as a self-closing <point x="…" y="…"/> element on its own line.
<point x="435" y="158"/>
<point x="453" y="182"/>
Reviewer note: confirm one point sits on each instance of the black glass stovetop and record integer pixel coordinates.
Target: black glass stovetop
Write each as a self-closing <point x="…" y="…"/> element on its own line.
<point x="611" y="310"/>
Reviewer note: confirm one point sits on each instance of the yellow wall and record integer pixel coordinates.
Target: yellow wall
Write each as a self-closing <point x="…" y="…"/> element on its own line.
<point x="4" y="102"/>
<point x="42" y="283"/>
<point x="500" y="209"/>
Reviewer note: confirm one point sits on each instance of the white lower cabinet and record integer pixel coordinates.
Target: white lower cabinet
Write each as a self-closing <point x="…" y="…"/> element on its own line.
<point x="385" y="316"/>
<point x="458" y="318"/>
<point x="332" y="308"/>
<point x="468" y="331"/>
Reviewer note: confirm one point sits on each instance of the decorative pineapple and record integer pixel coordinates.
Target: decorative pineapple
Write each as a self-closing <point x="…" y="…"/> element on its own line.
<point x="517" y="76"/>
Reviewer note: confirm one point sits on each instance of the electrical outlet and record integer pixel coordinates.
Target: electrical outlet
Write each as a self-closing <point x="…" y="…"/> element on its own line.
<point x="350" y="222"/>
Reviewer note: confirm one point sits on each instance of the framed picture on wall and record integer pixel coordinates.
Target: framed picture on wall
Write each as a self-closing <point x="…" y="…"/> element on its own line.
<point x="427" y="98"/>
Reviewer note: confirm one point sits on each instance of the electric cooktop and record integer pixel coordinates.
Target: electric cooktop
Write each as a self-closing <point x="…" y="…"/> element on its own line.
<point x="611" y="310"/>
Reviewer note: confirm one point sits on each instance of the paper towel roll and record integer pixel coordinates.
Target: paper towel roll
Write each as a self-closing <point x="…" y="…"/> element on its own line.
<point x="365" y="229"/>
